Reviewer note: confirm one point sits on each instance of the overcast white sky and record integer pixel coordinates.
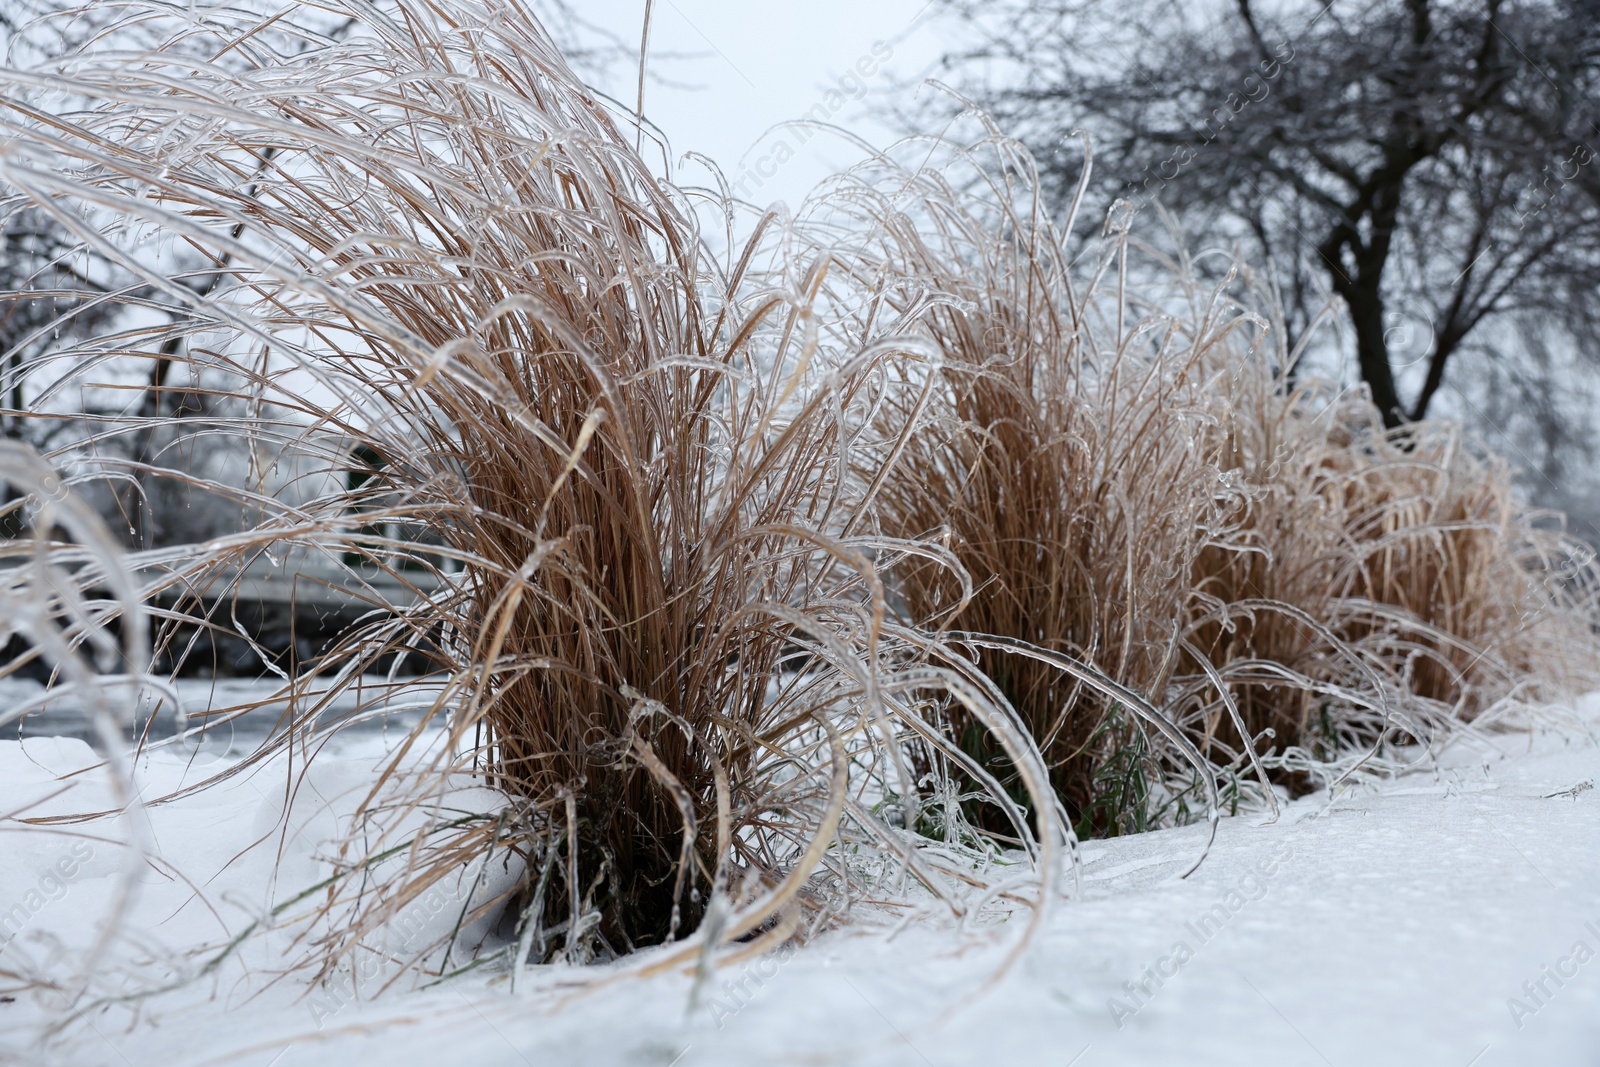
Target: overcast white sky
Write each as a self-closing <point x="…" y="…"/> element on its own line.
<point x="763" y="64"/>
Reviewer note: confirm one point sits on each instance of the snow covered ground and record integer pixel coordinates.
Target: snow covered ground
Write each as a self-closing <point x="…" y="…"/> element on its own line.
<point x="1449" y="917"/>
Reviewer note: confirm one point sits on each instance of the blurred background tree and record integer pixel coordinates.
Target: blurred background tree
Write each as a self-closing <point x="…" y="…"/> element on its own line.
<point x="1431" y="164"/>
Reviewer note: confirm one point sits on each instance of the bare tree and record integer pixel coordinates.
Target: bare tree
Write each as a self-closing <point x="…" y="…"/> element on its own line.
<point x="55" y="290"/>
<point x="46" y="293"/>
<point x="1431" y="162"/>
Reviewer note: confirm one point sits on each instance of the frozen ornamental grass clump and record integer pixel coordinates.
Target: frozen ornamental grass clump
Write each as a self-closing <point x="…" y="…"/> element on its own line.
<point x="852" y="575"/>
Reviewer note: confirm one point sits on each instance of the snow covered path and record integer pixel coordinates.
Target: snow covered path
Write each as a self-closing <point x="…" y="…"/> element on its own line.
<point x="1451" y="918"/>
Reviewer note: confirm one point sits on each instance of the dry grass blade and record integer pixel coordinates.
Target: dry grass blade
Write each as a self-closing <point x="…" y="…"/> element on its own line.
<point x="68" y="598"/>
<point x="1148" y="508"/>
<point x="911" y="536"/>
<point x="615" y="487"/>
